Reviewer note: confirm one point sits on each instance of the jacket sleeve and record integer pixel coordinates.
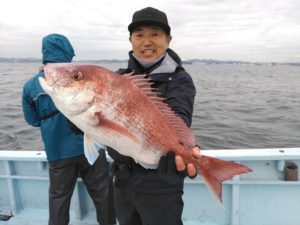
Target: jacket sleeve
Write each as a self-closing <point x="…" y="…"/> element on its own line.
<point x="29" y="109"/>
<point x="180" y="96"/>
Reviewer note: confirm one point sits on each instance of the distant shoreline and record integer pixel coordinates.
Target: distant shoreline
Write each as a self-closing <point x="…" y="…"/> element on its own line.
<point x="24" y="60"/>
<point x="190" y="61"/>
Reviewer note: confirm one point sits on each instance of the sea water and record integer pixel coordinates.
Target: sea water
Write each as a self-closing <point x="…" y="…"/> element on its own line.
<point x="236" y="106"/>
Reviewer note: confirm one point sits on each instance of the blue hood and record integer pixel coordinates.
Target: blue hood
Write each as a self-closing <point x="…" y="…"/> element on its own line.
<point x="57" y="48"/>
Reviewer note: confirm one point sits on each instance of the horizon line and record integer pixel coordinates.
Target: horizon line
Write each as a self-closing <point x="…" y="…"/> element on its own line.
<point x="34" y="59"/>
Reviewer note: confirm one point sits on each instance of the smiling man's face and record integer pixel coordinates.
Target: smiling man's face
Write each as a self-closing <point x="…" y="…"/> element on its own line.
<point x="149" y="42"/>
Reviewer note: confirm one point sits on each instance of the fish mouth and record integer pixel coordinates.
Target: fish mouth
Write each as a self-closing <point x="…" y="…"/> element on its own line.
<point x="48" y="74"/>
<point x="45" y="85"/>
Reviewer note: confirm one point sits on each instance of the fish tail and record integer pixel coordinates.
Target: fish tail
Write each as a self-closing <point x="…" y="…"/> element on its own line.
<point x="215" y="171"/>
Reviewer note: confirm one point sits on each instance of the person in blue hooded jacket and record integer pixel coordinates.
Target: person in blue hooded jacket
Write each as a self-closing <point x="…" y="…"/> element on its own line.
<point x="63" y="143"/>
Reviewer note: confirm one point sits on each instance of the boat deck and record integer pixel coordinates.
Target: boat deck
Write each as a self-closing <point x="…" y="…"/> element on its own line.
<point x="262" y="197"/>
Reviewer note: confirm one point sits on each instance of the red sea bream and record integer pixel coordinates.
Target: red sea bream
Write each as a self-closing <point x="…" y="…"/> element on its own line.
<point x="123" y="112"/>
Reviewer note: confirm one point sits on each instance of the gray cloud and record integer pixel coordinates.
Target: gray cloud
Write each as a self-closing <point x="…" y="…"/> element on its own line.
<point x="251" y="30"/>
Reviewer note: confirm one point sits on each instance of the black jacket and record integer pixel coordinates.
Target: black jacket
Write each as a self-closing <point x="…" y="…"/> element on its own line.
<point x="174" y="84"/>
<point x="177" y="87"/>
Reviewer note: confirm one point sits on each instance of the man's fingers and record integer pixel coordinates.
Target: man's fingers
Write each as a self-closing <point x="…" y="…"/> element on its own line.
<point x="179" y="163"/>
<point x="191" y="170"/>
<point x="196" y="152"/>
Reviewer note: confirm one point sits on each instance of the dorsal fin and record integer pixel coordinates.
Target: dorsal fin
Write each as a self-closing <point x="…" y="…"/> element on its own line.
<point x="187" y="137"/>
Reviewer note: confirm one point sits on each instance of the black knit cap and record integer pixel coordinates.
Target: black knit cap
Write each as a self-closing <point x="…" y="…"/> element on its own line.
<point x="149" y="16"/>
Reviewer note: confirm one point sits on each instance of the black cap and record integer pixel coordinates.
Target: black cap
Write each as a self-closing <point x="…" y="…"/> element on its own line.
<point x="149" y="16"/>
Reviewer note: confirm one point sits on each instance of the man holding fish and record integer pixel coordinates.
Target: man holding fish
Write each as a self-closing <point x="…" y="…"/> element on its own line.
<point x="154" y="196"/>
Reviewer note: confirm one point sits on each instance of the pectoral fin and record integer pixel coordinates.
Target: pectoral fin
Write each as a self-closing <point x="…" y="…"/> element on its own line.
<point x="91" y="148"/>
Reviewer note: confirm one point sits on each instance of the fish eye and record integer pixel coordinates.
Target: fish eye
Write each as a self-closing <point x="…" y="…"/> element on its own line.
<point x="77" y="76"/>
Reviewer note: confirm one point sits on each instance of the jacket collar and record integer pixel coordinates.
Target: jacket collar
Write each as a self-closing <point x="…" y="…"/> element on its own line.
<point x="167" y="64"/>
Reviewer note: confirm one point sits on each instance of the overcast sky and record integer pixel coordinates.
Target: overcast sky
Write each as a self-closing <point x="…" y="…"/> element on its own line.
<point x="246" y="30"/>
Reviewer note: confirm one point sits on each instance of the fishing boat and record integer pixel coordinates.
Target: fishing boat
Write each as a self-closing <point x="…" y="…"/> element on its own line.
<point x="270" y="195"/>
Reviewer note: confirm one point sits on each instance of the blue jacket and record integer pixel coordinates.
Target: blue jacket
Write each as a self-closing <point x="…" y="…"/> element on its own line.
<point x="60" y="140"/>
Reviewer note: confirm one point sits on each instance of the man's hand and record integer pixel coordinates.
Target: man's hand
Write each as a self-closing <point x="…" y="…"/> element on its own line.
<point x="190" y="168"/>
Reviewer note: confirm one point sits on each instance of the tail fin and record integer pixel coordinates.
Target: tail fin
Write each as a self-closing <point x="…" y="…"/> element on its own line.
<point x="215" y="171"/>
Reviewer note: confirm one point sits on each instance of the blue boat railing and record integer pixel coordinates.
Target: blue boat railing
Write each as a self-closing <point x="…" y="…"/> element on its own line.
<point x="263" y="197"/>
